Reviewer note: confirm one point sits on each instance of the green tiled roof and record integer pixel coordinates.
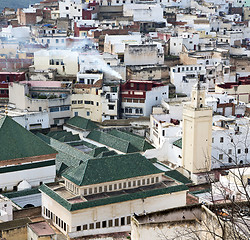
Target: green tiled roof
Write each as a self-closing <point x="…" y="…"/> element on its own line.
<point x="110" y="200"/>
<point x="66" y="154"/>
<point x="22" y="193"/>
<point x="96" y="151"/>
<point x="109" y="169"/>
<point x="112" y="141"/>
<point x="174" y="174"/>
<point x="82" y="142"/>
<point x="23" y="167"/>
<point x="178" y="143"/>
<point x="64" y="136"/>
<point x="138" y="142"/>
<point x="106" y="154"/>
<point x="17" y="142"/>
<point x="82" y="123"/>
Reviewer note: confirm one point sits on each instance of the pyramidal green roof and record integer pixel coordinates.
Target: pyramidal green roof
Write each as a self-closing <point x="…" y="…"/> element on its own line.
<point x="81" y="122"/>
<point x="18" y="142"/>
<point x="139" y="142"/>
<point x="111" y="168"/>
<point x="178" y="143"/>
<point x="112" y="141"/>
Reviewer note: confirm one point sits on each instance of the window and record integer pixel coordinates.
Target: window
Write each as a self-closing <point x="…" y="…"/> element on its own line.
<point x="65" y="108"/>
<point x="246" y="150"/>
<point x="54" y="109"/>
<point x="104" y="224"/>
<point x="148" y="181"/>
<point x="120" y="185"/>
<point x="67" y="8"/>
<point x="90" y="190"/>
<point x="122" y="221"/>
<point x="229" y="151"/>
<point x="105" y="188"/>
<point x="152" y="180"/>
<point x="117" y="222"/>
<point x="40" y="109"/>
<point x="157" y="179"/>
<point x="239" y="151"/>
<point x="115" y="186"/>
<point x="134" y="183"/>
<point x="91" y="226"/>
<point x="139" y="182"/>
<point x="85" y="227"/>
<point x="110" y="223"/>
<point x="143" y="181"/>
<point x="88" y="113"/>
<point x="74" y="102"/>
<point x="111" y="107"/>
<point x="129" y="184"/>
<point x="95" y="190"/>
<point x="230" y="160"/>
<point x="220" y="156"/>
<point x="80" y="101"/>
<point x="221" y="139"/>
<point x="124" y="185"/>
<point x="110" y="187"/>
<point x="57" y="40"/>
<point x="76" y="113"/>
<point x="98" y="225"/>
<point x="78" y="228"/>
<point x="128" y="219"/>
<point x="100" y="189"/>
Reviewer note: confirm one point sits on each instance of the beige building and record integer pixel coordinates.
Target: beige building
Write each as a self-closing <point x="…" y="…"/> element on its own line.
<point x="95" y="101"/>
<point x="188" y="222"/>
<point x="100" y="195"/>
<point x="197" y="132"/>
<point x="65" y="61"/>
<point x="42" y="96"/>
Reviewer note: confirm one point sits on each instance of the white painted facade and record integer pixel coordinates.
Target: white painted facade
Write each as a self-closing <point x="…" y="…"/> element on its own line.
<point x="6" y="209"/>
<point x="185" y="76"/>
<point x="34" y="176"/>
<point x="71" y="9"/>
<point x="109" y="218"/>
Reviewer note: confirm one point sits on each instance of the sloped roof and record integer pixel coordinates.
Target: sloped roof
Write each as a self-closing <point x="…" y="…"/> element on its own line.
<point x="17" y="142"/>
<point x="82" y="123"/>
<point x="174" y="174"/>
<point x="111" y="168"/>
<point x="64" y="136"/>
<point x="178" y="143"/>
<point x="112" y="141"/>
<point x="139" y="142"/>
<point x="66" y="154"/>
<point x="96" y="151"/>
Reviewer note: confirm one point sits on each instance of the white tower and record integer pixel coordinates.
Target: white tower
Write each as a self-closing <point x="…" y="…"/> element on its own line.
<point x="197" y="132"/>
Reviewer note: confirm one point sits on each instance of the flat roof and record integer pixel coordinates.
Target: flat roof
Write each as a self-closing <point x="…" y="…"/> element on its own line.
<point x="41" y="228"/>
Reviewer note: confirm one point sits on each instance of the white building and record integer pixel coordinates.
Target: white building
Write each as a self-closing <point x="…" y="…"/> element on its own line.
<point x="71" y="9"/>
<point x="23" y="157"/>
<point x="185" y="76"/>
<point x="6" y="213"/>
<point x="42" y="96"/>
<point x="104" y="203"/>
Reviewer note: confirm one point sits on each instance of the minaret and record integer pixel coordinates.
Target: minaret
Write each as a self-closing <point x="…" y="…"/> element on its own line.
<point x="197" y="132"/>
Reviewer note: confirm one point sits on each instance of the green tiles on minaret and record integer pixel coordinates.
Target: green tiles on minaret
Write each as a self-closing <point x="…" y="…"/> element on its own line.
<point x="17" y="142"/>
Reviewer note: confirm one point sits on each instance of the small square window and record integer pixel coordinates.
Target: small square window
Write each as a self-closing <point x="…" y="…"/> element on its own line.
<point x="78" y="228"/>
